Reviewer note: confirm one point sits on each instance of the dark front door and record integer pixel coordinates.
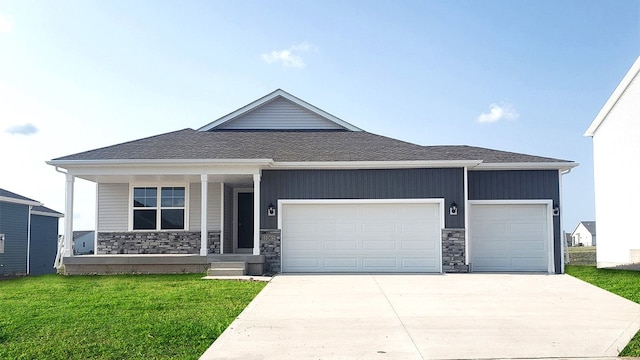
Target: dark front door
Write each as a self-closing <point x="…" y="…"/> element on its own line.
<point x="245" y="220"/>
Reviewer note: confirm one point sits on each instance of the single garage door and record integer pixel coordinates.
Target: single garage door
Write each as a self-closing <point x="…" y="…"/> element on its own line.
<point x="509" y="237"/>
<point x="361" y="236"/>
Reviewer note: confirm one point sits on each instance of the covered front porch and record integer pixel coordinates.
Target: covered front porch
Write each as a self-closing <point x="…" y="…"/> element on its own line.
<point x="170" y="219"/>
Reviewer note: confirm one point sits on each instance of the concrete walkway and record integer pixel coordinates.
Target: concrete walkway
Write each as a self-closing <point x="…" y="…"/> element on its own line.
<point x="453" y="316"/>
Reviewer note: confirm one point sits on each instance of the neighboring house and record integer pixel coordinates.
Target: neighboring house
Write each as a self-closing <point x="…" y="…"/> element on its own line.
<point x="584" y="234"/>
<point x="616" y="149"/>
<point x="28" y="236"/>
<point x="83" y="242"/>
<point x="284" y="186"/>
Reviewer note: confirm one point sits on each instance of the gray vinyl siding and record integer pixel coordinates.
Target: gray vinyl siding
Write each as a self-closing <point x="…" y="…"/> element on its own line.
<point x="44" y="240"/>
<point x="113" y="207"/>
<point x="213" y="206"/>
<point x="520" y="185"/>
<point x="14" y="224"/>
<point x="195" y="217"/>
<point x="228" y="219"/>
<point x="280" y="114"/>
<point x="447" y="183"/>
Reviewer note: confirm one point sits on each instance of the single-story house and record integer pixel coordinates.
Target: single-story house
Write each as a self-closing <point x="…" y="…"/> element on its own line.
<point x="584" y="234"/>
<point x="28" y="236"/>
<point x="615" y="132"/>
<point x="283" y="186"/>
<point x="83" y="242"/>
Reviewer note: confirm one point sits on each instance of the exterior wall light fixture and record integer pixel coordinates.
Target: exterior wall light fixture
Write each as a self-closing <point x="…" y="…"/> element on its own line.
<point x="453" y="209"/>
<point x="271" y="210"/>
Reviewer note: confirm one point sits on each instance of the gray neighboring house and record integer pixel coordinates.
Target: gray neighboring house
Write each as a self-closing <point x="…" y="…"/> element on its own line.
<point x="28" y="236"/>
<point x="280" y="185"/>
<point x="83" y="242"/>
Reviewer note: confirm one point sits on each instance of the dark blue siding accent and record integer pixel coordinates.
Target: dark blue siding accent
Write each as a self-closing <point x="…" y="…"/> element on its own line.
<point x="14" y="224"/>
<point x="44" y="240"/>
<point x="447" y="183"/>
<point x="520" y="185"/>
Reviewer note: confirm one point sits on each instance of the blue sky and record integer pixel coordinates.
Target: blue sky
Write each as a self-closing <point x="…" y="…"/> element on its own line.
<point x="77" y="75"/>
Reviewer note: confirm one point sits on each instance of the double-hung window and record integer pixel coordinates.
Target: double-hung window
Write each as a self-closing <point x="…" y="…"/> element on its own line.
<point x="159" y="208"/>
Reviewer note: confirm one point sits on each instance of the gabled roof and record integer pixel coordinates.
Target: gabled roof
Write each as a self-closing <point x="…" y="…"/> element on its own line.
<point x="45" y="211"/>
<point x="589" y="225"/>
<point x="613" y="99"/>
<point x="8" y="196"/>
<point x="277" y="95"/>
<point x="294" y="147"/>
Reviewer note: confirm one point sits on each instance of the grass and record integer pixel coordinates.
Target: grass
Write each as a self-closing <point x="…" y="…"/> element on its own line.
<point x="118" y="316"/>
<point x="625" y="283"/>
<point x="582" y="255"/>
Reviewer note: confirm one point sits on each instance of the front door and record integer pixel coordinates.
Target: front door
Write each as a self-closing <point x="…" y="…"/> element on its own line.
<point x="245" y="220"/>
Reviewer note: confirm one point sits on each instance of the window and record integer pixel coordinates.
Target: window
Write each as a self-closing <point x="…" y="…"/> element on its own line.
<point x="159" y="208"/>
<point x="1" y="243"/>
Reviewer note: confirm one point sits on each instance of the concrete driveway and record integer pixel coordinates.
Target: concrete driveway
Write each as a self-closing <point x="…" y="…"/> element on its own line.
<point x="452" y="316"/>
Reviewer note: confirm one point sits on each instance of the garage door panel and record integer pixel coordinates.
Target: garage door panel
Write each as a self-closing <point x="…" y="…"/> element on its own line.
<point x="377" y="263"/>
<point x="377" y="237"/>
<point x="509" y="237"/>
<point x="305" y="245"/>
<point x="338" y="245"/>
<point x="378" y="245"/>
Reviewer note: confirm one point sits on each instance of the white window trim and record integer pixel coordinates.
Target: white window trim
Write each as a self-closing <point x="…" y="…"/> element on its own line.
<point x="158" y="208"/>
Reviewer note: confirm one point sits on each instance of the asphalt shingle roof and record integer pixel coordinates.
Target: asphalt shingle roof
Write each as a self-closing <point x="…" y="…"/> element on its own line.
<point x="293" y="146"/>
<point x="9" y="194"/>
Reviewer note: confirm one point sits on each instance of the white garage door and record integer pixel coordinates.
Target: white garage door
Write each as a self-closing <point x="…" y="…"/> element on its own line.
<point x="361" y="236"/>
<point x="509" y="237"/>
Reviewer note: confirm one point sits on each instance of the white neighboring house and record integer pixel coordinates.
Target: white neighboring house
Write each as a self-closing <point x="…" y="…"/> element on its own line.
<point x="584" y="234"/>
<point x="616" y="151"/>
<point x="83" y="242"/>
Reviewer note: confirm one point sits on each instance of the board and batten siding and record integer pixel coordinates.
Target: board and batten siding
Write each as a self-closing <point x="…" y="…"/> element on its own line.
<point x="280" y="114"/>
<point x="44" y="243"/>
<point x="113" y="207"/>
<point x="434" y="183"/>
<point x="213" y="206"/>
<point x="520" y="185"/>
<point x="14" y="224"/>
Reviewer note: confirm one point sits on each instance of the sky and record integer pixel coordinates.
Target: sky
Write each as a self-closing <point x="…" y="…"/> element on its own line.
<point x="525" y="76"/>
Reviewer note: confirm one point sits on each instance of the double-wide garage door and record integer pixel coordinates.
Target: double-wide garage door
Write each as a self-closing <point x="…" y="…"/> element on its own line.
<point x="510" y="237"/>
<point x="361" y="236"/>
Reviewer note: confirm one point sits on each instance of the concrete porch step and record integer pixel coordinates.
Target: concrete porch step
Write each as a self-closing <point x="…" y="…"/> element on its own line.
<point x="227" y="268"/>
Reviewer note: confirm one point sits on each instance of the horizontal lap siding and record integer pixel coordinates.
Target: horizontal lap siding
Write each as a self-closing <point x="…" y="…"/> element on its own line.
<point x="213" y="206"/>
<point x="520" y="185"/>
<point x="447" y="183"/>
<point x="14" y="222"/>
<point x="280" y="114"/>
<point x="113" y="207"/>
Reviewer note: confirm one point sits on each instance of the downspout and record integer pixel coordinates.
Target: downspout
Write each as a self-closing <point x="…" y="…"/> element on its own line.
<point x="563" y="241"/>
<point x="29" y="240"/>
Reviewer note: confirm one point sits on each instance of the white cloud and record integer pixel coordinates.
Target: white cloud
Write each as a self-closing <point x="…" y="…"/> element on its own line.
<point x="6" y="25"/>
<point x="24" y="129"/>
<point x="289" y="57"/>
<point x="504" y="111"/>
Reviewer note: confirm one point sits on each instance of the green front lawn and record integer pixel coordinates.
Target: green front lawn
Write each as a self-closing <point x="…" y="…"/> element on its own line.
<point x="625" y="283"/>
<point x="117" y="316"/>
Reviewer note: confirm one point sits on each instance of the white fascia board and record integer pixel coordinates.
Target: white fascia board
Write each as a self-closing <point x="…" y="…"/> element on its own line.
<point x="613" y="99"/>
<point x="158" y="162"/>
<point x="372" y="164"/>
<point x="42" y="213"/>
<point x="265" y="99"/>
<point x="20" y="201"/>
<point x="527" y="166"/>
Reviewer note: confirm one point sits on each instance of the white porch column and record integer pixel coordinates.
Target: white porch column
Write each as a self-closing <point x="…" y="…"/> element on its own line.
<point x="256" y="214"/>
<point x="204" y="186"/>
<point x="68" y="215"/>
<point x="222" y="250"/>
